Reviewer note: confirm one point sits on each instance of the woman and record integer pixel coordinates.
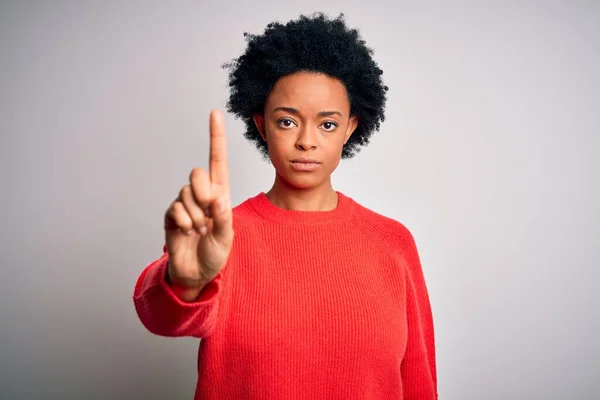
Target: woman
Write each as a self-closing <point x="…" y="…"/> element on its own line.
<point x="315" y="296"/>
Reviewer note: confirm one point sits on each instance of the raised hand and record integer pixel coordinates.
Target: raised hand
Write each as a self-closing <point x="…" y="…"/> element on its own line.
<point x="198" y="224"/>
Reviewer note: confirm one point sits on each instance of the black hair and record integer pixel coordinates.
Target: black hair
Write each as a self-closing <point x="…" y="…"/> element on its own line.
<point x="313" y="44"/>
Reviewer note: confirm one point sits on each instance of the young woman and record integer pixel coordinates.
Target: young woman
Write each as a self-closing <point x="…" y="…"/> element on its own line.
<point x="314" y="296"/>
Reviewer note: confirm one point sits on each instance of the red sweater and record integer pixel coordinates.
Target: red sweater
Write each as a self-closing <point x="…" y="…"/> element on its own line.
<point x="311" y="305"/>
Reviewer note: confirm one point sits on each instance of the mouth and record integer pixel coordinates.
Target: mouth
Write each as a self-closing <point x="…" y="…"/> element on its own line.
<point x="305" y="161"/>
<point x="304" y="164"/>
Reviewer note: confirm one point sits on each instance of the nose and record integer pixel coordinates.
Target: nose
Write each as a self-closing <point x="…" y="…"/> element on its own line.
<point x="307" y="139"/>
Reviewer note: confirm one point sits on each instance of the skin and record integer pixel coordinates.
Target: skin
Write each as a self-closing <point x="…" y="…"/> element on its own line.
<point x="307" y="115"/>
<point x="198" y="223"/>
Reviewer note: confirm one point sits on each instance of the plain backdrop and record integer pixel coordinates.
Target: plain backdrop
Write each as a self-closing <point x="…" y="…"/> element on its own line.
<point x="488" y="155"/>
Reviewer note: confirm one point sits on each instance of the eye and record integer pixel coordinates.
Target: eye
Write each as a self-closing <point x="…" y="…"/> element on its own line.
<point x="285" y="123"/>
<point x="329" y="126"/>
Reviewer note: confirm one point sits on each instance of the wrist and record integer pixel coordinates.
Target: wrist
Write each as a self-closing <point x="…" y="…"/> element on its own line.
<point x="185" y="289"/>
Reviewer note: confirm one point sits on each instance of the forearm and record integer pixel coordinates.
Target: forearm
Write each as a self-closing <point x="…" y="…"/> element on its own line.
<point x="186" y="292"/>
<point x="167" y="313"/>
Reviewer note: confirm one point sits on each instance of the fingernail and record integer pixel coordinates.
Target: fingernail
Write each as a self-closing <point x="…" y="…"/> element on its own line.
<point x="221" y="205"/>
<point x="202" y="230"/>
<point x="189" y="232"/>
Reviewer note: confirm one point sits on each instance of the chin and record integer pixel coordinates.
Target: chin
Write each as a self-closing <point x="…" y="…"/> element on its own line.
<point x="302" y="181"/>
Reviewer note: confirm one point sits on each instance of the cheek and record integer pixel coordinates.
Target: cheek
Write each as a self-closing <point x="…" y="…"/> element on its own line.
<point x="278" y="152"/>
<point x="336" y="146"/>
<point x="278" y="145"/>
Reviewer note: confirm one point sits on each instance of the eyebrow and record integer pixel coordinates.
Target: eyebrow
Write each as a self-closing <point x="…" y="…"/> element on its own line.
<point x="296" y="112"/>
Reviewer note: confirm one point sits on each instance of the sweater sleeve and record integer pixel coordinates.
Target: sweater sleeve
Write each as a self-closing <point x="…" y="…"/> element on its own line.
<point x="419" y="376"/>
<point x="164" y="314"/>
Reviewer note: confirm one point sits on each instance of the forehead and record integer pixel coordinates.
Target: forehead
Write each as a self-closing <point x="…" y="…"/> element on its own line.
<point x="308" y="91"/>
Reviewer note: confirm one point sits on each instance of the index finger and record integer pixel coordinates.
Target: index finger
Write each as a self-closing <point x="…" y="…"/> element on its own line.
<point x="219" y="172"/>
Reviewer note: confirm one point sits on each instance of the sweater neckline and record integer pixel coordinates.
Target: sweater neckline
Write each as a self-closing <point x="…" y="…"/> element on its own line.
<point x="343" y="211"/>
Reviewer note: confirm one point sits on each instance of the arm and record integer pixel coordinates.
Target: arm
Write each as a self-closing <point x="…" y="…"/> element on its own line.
<point x="419" y="376"/>
<point x="162" y="311"/>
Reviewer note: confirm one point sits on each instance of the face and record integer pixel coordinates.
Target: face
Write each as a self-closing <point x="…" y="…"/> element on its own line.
<point x="306" y="123"/>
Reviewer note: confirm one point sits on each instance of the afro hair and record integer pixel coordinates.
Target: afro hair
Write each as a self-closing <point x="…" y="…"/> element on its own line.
<point x="309" y="44"/>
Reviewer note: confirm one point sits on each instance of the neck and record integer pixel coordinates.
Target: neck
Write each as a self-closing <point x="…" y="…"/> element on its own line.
<point x="320" y="198"/>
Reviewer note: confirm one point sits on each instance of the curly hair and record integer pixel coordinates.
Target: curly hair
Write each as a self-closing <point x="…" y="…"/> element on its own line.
<point x="309" y="44"/>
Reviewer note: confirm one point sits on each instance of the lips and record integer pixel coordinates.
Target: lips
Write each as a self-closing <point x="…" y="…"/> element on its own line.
<point x="305" y="164"/>
<point x="306" y="160"/>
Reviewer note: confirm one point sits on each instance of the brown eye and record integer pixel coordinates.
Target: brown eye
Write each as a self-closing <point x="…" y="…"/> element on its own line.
<point x="329" y="126"/>
<point x="285" y="123"/>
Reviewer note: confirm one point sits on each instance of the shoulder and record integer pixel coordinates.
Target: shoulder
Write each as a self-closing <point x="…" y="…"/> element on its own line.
<point x="391" y="234"/>
<point x="244" y="215"/>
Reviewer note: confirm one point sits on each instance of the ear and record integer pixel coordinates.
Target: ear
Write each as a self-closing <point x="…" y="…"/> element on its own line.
<point x="259" y="121"/>
<point x="352" y="125"/>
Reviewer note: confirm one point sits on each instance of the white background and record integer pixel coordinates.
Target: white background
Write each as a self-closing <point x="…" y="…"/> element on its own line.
<point x="487" y="155"/>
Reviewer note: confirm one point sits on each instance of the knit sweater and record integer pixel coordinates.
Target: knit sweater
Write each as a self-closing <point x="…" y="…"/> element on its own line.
<point x="311" y="305"/>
